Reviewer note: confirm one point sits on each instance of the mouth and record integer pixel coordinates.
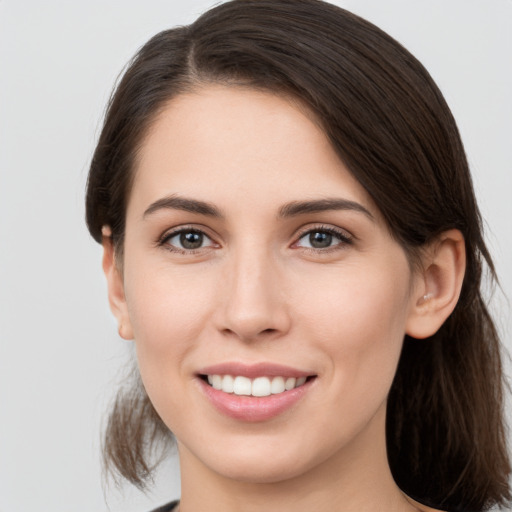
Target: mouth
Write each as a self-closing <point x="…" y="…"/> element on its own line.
<point x="254" y="393"/>
<point x="257" y="387"/>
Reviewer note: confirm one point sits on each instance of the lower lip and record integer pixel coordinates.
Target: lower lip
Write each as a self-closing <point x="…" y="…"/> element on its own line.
<point x="251" y="408"/>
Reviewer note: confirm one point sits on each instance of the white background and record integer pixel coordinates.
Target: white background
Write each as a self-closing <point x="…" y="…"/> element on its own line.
<point x="60" y="355"/>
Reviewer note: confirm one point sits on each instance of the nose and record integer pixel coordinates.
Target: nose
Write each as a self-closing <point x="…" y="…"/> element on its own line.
<point x="254" y="305"/>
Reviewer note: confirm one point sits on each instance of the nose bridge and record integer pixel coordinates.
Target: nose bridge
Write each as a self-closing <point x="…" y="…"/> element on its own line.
<point x="254" y="302"/>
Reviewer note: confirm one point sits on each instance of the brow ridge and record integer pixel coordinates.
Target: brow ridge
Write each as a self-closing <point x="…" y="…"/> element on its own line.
<point x="295" y="208"/>
<point x="291" y="209"/>
<point x="175" y="202"/>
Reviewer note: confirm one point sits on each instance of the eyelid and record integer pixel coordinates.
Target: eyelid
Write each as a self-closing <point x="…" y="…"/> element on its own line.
<point x="172" y="232"/>
<point x="343" y="235"/>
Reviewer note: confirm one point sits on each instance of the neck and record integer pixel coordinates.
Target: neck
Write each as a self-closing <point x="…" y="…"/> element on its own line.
<point x="357" y="478"/>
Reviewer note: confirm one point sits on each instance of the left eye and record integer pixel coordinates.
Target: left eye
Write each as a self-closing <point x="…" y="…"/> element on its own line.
<point x="322" y="239"/>
<point x="188" y="240"/>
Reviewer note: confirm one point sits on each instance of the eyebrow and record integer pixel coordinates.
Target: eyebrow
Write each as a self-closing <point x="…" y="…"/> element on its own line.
<point x="321" y="205"/>
<point x="292" y="209"/>
<point x="185" y="204"/>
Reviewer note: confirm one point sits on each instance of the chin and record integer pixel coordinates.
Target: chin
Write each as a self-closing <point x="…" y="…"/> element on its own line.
<point x="265" y="461"/>
<point x="259" y="472"/>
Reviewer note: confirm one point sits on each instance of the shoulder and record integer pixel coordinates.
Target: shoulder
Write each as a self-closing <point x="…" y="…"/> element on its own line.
<point x="167" y="507"/>
<point x="421" y="507"/>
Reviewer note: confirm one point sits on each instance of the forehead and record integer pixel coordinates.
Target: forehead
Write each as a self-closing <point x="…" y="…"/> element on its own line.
<point x="223" y="142"/>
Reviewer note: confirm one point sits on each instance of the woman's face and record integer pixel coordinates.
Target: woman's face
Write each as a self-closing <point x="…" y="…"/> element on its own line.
<point x="253" y="259"/>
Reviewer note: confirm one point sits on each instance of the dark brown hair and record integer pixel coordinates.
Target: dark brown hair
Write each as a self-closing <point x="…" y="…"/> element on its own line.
<point x="390" y="125"/>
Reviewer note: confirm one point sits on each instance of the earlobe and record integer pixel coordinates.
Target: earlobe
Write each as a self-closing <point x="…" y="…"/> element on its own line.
<point x="439" y="285"/>
<point x="115" y="286"/>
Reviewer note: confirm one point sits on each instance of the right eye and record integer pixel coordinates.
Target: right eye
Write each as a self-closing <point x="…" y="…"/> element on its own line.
<point x="186" y="240"/>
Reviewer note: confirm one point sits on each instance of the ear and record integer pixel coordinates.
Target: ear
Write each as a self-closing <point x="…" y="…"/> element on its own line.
<point x="438" y="284"/>
<point x="115" y="286"/>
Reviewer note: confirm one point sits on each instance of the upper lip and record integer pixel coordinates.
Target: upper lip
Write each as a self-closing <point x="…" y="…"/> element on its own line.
<point x="253" y="370"/>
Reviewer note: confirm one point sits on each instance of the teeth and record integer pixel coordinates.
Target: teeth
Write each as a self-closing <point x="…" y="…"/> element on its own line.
<point x="261" y="386"/>
<point x="277" y="385"/>
<point x="290" y="383"/>
<point x="242" y="386"/>
<point x="228" y="384"/>
<point x="217" y="381"/>
<point x="300" y="381"/>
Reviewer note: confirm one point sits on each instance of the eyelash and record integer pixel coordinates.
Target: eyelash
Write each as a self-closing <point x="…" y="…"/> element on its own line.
<point x="343" y="237"/>
<point x="163" y="241"/>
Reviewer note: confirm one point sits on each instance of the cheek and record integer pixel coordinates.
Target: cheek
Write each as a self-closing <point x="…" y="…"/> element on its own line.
<point x="359" y="320"/>
<point x="167" y="311"/>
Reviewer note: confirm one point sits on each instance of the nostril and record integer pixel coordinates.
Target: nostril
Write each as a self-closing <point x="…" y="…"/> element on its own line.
<point x="260" y="334"/>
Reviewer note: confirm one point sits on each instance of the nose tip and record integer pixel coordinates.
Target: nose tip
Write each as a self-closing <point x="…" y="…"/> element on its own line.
<point x="255" y="314"/>
<point x="251" y="329"/>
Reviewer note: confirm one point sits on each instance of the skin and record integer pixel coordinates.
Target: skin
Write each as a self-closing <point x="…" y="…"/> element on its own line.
<point x="256" y="291"/>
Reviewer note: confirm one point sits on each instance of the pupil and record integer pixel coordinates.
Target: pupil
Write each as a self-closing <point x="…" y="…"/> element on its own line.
<point x="191" y="240"/>
<point x="320" y="240"/>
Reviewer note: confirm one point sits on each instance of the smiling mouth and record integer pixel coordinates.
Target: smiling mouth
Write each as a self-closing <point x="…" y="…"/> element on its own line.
<point x="257" y="387"/>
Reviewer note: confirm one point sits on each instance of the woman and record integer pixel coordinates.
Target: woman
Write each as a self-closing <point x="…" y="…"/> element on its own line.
<point x="291" y="238"/>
